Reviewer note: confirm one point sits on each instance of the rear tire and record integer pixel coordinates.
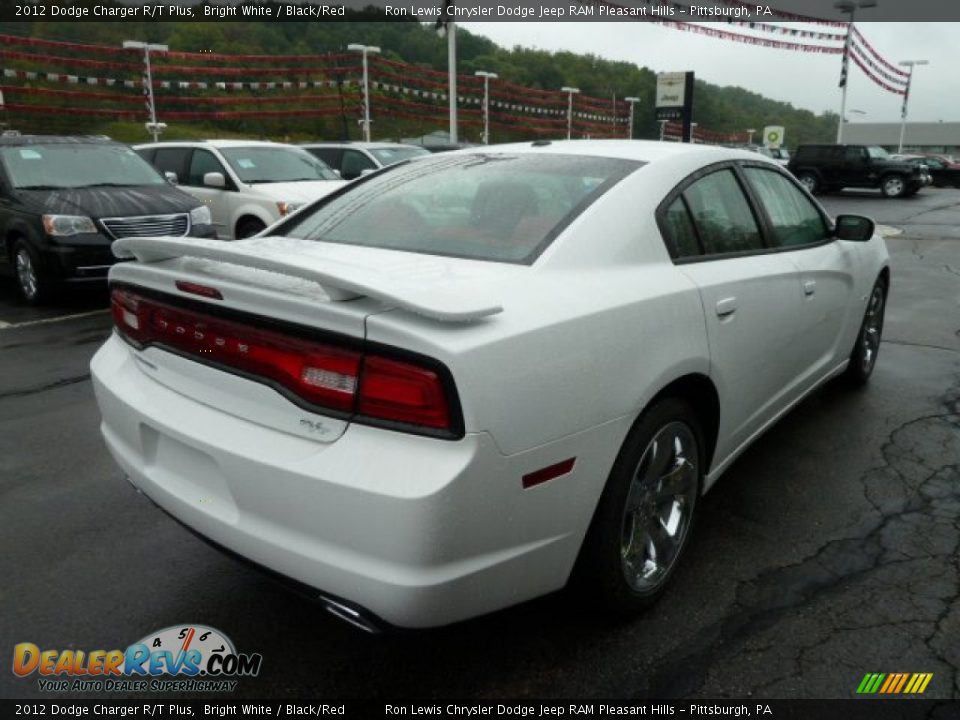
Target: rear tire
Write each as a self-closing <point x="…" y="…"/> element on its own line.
<point x="643" y="520"/>
<point x="248" y="227"/>
<point x="33" y="281"/>
<point x="893" y="186"/>
<point x="863" y="358"/>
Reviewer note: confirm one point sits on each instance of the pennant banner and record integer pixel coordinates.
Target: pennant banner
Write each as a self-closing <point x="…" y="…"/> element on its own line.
<point x="863" y="41"/>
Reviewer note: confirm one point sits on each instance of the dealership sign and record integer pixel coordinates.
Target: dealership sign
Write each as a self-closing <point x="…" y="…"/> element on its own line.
<point x="675" y="99"/>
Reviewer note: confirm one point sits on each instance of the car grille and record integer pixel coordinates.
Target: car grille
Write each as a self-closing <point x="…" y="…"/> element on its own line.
<point x="147" y="225"/>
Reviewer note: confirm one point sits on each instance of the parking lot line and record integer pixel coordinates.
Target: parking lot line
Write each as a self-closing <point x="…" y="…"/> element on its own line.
<point x="46" y="321"/>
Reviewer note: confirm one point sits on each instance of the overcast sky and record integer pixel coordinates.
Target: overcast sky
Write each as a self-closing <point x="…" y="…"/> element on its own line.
<point x="806" y="80"/>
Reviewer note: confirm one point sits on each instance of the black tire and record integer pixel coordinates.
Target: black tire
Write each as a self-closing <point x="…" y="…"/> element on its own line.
<point x="605" y="573"/>
<point x="33" y="281"/>
<point x="863" y="357"/>
<point x="810" y="181"/>
<point x="248" y="227"/>
<point x="893" y="186"/>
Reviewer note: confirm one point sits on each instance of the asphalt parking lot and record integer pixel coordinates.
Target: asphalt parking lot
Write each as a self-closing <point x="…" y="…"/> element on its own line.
<point x="828" y="550"/>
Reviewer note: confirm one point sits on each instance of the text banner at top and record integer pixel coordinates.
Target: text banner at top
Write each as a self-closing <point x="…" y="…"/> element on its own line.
<point x="770" y="17"/>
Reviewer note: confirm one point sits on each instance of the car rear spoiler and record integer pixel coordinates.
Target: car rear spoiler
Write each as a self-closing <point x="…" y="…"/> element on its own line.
<point x="457" y="302"/>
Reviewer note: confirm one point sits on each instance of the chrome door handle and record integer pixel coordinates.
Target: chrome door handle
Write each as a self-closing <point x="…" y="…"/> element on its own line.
<point x="726" y="307"/>
<point x="809" y="287"/>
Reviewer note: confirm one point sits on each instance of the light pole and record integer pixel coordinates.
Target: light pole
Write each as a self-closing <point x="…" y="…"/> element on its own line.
<point x="847" y="7"/>
<point x="356" y="47"/>
<point x="571" y="91"/>
<point x="631" y="100"/>
<point x="153" y="127"/>
<point x="751" y="131"/>
<point x="906" y="97"/>
<point x="487" y="77"/>
<point x="449" y="28"/>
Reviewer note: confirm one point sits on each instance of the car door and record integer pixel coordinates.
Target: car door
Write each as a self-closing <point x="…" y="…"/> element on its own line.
<point x="750" y="300"/>
<point x="827" y="271"/>
<point x="219" y="200"/>
<point x="855" y="170"/>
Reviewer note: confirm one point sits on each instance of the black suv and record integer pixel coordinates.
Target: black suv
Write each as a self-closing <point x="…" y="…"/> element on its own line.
<point x="64" y="200"/>
<point x="826" y="168"/>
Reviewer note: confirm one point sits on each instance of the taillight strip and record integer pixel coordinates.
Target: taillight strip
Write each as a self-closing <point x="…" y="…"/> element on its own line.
<point x="390" y="389"/>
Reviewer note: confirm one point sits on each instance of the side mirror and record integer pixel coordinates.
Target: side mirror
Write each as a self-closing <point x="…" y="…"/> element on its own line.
<point x="171" y="177"/>
<point x="214" y="180"/>
<point x="854" y="227"/>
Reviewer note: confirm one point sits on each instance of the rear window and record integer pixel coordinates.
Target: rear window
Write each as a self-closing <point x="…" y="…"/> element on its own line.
<point x="498" y="207"/>
<point x="75" y="165"/>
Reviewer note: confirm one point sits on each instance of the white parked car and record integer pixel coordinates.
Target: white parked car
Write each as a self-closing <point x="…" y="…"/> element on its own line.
<point x="247" y="184"/>
<point x="463" y="383"/>
<point x="353" y="159"/>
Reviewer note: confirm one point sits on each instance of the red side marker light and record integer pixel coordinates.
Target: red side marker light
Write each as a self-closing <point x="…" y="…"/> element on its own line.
<point x="548" y="473"/>
<point x="197" y="289"/>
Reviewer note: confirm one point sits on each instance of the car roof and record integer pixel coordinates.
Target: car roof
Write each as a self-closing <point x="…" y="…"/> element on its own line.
<point x="21" y="140"/>
<point x="214" y="143"/>
<point x="645" y="151"/>
<point x="361" y="145"/>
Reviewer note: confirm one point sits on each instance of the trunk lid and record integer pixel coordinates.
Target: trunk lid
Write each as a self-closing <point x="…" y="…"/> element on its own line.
<point x="281" y="282"/>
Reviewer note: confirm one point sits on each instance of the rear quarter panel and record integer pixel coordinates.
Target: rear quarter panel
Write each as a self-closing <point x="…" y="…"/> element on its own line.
<point x="589" y="333"/>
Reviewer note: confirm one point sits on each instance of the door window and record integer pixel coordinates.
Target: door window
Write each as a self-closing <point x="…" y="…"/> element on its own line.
<point x="172" y="159"/>
<point x="203" y="162"/>
<point x="355" y="163"/>
<point x="722" y="215"/>
<point x="793" y="218"/>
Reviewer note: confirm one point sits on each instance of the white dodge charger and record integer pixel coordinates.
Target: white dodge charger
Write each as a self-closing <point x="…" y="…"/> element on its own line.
<point x="470" y="380"/>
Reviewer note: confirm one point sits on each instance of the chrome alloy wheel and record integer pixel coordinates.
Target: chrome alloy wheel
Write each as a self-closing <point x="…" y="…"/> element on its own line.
<point x="808" y="181"/>
<point x="893" y="186"/>
<point x="872" y="329"/>
<point x="659" y="507"/>
<point x="26" y="274"/>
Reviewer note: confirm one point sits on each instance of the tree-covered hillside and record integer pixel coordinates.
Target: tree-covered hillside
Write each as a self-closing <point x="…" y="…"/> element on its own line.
<point x="725" y="109"/>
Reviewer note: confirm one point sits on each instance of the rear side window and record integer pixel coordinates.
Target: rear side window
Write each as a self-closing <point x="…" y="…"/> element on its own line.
<point x="331" y="156"/>
<point x="680" y="230"/>
<point x="722" y="216"/>
<point x="498" y="207"/>
<point x="793" y="218"/>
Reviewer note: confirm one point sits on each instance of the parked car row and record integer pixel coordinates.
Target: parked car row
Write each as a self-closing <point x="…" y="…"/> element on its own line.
<point x="943" y="171"/>
<point x="65" y="200"/>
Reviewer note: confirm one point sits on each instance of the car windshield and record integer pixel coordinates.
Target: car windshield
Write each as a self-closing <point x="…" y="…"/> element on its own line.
<point x="499" y="207"/>
<point x="878" y="152"/>
<point x="265" y="164"/>
<point x="76" y="165"/>
<point x="391" y="155"/>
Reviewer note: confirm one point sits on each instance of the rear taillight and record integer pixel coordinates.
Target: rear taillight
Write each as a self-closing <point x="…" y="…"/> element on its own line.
<point x="364" y="386"/>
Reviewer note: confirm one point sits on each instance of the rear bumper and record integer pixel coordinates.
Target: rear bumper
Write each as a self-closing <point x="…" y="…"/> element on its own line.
<point x="420" y="532"/>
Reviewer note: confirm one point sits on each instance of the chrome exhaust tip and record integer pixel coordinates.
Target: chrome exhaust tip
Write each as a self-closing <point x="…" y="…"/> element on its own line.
<point x="349" y="615"/>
